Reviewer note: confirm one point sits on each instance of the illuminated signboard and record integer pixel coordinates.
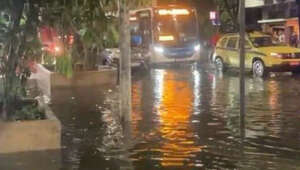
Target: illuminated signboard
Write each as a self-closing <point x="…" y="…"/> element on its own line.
<point x="212" y="15"/>
<point x="173" y="12"/>
<point x="254" y="3"/>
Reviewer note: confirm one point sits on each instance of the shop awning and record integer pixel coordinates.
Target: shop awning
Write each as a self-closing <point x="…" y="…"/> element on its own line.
<point x="265" y="21"/>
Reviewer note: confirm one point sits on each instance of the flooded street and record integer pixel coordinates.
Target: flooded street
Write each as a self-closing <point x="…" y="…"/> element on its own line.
<point x="184" y="118"/>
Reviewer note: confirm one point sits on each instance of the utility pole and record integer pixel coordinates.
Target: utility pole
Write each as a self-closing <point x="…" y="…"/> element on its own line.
<point x="298" y="13"/>
<point x="242" y="66"/>
<point x="125" y="63"/>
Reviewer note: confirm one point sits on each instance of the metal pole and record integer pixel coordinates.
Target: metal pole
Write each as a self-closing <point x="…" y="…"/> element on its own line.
<point x="298" y="13"/>
<point x="242" y="66"/>
<point x="125" y="66"/>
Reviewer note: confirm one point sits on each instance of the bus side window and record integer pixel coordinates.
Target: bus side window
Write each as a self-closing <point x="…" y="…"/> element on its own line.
<point x="136" y="38"/>
<point x="145" y="28"/>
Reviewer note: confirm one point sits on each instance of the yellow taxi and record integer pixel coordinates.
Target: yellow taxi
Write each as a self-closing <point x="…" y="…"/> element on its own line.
<point x="262" y="55"/>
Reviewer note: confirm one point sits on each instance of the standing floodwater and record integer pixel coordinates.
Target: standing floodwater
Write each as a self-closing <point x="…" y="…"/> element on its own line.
<point x="189" y="118"/>
<point x="185" y="118"/>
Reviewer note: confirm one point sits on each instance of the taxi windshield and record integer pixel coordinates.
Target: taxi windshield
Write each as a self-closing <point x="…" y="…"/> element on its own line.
<point x="264" y="41"/>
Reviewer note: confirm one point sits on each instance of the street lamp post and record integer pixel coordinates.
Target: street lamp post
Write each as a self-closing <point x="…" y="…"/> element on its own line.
<point x="298" y="14"/>
<point x="242" y="66"/>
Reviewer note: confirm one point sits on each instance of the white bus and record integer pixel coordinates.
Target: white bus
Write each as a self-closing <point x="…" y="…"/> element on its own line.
<point x="166" y="34"/>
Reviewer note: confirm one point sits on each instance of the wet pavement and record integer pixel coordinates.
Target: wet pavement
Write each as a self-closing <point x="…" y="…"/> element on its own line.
<point x="184" y="118"/>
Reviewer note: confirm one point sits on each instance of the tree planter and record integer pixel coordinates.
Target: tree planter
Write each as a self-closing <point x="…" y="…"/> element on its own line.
<point x="31" y="144"/>
<point x="48" y="80"/>
<point x="33" y="135"/>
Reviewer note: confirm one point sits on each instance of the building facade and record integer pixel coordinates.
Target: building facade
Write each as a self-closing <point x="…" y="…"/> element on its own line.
<point x="274" y="16"/>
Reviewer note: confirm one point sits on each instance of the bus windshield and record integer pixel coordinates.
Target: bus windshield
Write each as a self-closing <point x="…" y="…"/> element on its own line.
<point x="180" y="29"/>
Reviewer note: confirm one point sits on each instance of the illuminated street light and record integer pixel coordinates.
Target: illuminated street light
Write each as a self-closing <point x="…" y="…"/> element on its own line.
<point x="212" y="15"/>
<point x="56" y="49"/>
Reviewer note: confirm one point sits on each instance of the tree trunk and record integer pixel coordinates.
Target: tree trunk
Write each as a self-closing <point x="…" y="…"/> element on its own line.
<point x="4" y="112"/>
<point x="11" y="81"/>
<point x="125" y="63"/>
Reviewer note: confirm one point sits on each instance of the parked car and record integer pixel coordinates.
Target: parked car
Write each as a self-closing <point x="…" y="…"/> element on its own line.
<point x="111" y="57"/>
<point x="262" y="55"/>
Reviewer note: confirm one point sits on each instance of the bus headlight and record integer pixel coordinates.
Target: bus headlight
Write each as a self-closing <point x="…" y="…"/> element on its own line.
<point x="158" y="49"/>
<point x="197" y="47"/>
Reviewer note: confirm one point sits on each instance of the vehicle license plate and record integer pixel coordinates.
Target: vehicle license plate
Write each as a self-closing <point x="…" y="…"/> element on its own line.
<point x="294" y="63"/>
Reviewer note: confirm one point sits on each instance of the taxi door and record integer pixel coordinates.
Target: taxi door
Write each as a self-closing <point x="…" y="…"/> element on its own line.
<point x="248" y="54"/>
<point x="232" y="52"/>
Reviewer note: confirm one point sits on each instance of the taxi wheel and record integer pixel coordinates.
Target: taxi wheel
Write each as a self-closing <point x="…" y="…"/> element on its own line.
<point x="219" y="64"/>
<point x="258" y="68"/>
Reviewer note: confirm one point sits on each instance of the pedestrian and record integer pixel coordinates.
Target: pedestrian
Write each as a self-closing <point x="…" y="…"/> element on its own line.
<point x="294" y="39"/>
<point x="275" y="37"/>
<point x="281" y="37"/>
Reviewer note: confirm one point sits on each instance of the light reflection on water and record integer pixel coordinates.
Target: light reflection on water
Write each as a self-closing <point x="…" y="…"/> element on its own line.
<point x="195" y="116"/>
<point x="188" y="118"/>
<point x="174" y="114"/>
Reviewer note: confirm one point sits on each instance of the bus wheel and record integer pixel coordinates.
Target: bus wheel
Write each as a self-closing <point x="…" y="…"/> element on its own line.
<point x="219" y="64"/>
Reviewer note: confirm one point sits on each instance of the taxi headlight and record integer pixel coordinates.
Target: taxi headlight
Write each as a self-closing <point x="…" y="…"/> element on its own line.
<point x="276" y="55"/>
<point x="158" y="49"/>
<point x="197" y="47"/>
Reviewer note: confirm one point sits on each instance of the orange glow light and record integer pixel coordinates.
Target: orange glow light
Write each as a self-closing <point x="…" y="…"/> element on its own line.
<point x="166" y="38"/>
<point x="173" y="12"/>
<point x="178" y="147"/>
<point x="133" y="19"/>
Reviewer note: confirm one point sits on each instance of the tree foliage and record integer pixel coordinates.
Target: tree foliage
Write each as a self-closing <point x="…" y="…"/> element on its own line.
<point x="94" y="24"/>
<point x="19" y="45"/>
<point x="203" y="8"/>
<point x="228" y="14"/>
<point x="228" y="11"/>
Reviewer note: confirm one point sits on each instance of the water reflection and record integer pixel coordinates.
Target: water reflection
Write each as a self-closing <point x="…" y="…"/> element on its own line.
<point x="266" y="117"/>
<point x="196" y="90"/>
<point x="174" y="100"/>
<point x="174" y="113"/>
<point x="187" y="118"/>
<point x="195" y="122"/>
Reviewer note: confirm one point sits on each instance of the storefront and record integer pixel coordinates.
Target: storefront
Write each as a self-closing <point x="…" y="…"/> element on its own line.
<point x="281" y="25"/>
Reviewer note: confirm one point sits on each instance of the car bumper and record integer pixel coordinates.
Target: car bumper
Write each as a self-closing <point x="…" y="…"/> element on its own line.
<point x="162" y="59"/>
<point x="285" y="67"/>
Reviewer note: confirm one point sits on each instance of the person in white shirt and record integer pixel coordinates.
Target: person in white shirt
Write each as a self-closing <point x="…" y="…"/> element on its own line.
<point x="281" y="37"/>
